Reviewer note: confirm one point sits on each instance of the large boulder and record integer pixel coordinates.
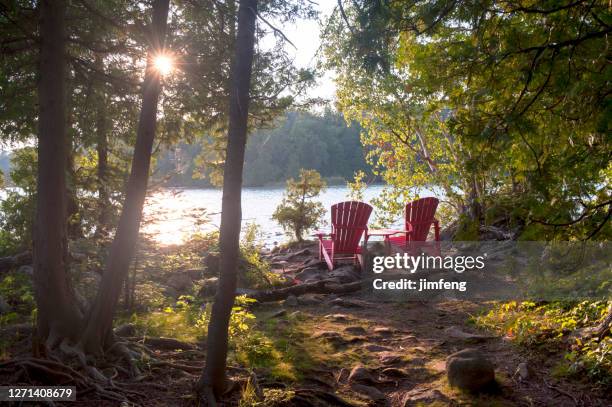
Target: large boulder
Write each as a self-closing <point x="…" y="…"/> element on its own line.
<point x="182" y="282"/>
<point x="470" y="370"/>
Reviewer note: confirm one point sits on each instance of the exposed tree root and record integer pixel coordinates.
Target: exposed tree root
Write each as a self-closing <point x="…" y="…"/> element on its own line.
<point x="62" y="374"/>
<point x="166" y="343"/>
<point x="186" y="368"/>
<point x="69" y="365"/>
<point x="315" y="397"/>
<point x="328" y="286"/>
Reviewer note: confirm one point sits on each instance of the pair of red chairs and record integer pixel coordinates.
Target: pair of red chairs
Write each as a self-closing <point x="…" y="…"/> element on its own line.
<point x="349" y="222"/>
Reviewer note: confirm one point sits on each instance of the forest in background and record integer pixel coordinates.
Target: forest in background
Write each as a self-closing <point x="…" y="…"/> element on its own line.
<point x="299" y="139"/>
<point x="319" y="141"/>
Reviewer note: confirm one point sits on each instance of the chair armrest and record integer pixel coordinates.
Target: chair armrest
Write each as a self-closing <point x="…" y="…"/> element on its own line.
<point x="320" y="234"/>
<point x="406" y="232"/>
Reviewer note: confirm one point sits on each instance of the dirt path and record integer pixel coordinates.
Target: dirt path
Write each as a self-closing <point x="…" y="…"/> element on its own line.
<point x="393" y="354"/>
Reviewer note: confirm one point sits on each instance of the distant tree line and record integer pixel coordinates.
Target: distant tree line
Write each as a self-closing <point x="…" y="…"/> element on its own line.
<point x="322" y="142"/>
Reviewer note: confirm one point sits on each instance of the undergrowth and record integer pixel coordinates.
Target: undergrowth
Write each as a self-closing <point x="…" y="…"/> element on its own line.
<point x="552" y="326"/>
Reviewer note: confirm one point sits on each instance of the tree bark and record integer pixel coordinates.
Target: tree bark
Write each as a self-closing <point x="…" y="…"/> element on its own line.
<point x="58" y="316"/>
<point x="102" y="128"/>
<point x="98" y="333"/>
<point x="213" y="376"/>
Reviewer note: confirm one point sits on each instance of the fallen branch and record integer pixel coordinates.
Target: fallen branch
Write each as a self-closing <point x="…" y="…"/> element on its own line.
<point x="328" y="286"/>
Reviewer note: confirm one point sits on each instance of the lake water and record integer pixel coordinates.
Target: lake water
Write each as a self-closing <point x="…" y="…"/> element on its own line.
<point x="175" y="214"/>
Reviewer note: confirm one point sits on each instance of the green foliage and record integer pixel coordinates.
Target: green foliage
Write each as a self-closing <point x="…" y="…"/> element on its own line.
<point x="254" y="271"/>
<point x="297" y="213"/>
<point x="550" y="326"/>
<point x="17" y="205"/>
<point x="16" y="289"/>
<point x="323" y="142"/>
<point x="483" y="105"/>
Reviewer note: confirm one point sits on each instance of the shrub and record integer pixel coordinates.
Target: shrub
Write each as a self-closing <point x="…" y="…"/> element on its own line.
<point x="297" y="213"/>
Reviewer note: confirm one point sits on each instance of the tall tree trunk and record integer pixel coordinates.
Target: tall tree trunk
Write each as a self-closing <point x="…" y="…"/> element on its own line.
<point x="102" y="128"/>
<point x="98" y="333"/>
<point x="58" y="316"/>
<point x="213" y="376"/>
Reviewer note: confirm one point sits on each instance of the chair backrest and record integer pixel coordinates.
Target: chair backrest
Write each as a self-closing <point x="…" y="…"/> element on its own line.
<point x="349" y="221"/>
<point x="420" y="215"/>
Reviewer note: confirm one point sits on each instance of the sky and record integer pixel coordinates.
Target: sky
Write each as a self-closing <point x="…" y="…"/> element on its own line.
<point x="305" y="35"/>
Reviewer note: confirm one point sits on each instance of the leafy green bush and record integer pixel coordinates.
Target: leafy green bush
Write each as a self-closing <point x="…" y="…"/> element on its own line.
<point x="254" y="270"/>
<point x="16" y="290"/>
<point x="297" y="213"/>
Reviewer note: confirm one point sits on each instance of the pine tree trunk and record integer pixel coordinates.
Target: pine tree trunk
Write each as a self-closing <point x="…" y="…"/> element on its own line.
<point x="98" y="333"/>
<point x="102" y="170"/>
<point x="213" y="376"/>
<point x="102" y="129"/>
<point x="58" y="316"/>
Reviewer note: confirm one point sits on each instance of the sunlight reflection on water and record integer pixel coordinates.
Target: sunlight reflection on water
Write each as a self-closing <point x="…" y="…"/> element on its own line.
<point x="175" y="214"/>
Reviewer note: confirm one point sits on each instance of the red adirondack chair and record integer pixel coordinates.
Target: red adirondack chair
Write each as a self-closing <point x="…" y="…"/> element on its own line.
<point x="349" y="223"/>
<point x="419" y="218"/>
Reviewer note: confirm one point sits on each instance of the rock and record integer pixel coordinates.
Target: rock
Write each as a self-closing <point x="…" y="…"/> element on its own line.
<point x="310" y="274"/>
<point x="355" y="330"/>
<point x="291" y="301"/>
<point x="126" y="330"/>
<point x="389" y="358"/>
<point x="384" y="331"/>
<point x="279" y="265"/>
<point x="332" y="337"/>
<point x="16" y="331"/>
<point x="29" y="270"/>
<point x="523" y="371"/>
<point x="211" y="261"/>
<point x="312" y="262"/>
<point x="209" y="287"/>
<point x="246" y="291"/>
<point x="279" y="313"/>
<point x="393" y="372"/>
<point x="377" y="348"/>
<point x="344" y="274"/>
<point x="470" y="370"/>
<point x="291" y="256"/>
<point x="180" y="281"/>
<point x="457" y="333"/>
<point x="360" y="374"/>
<point x="171" y="292"/>
<point x="310" y="300"/>
<point x="423" y="397"/>
<point x="4" y="306"/>
<point x="195" y="274"/>
<point x="370" y="392"/>
<point x="337" y="317"/>
<point x="348" y="303"/>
